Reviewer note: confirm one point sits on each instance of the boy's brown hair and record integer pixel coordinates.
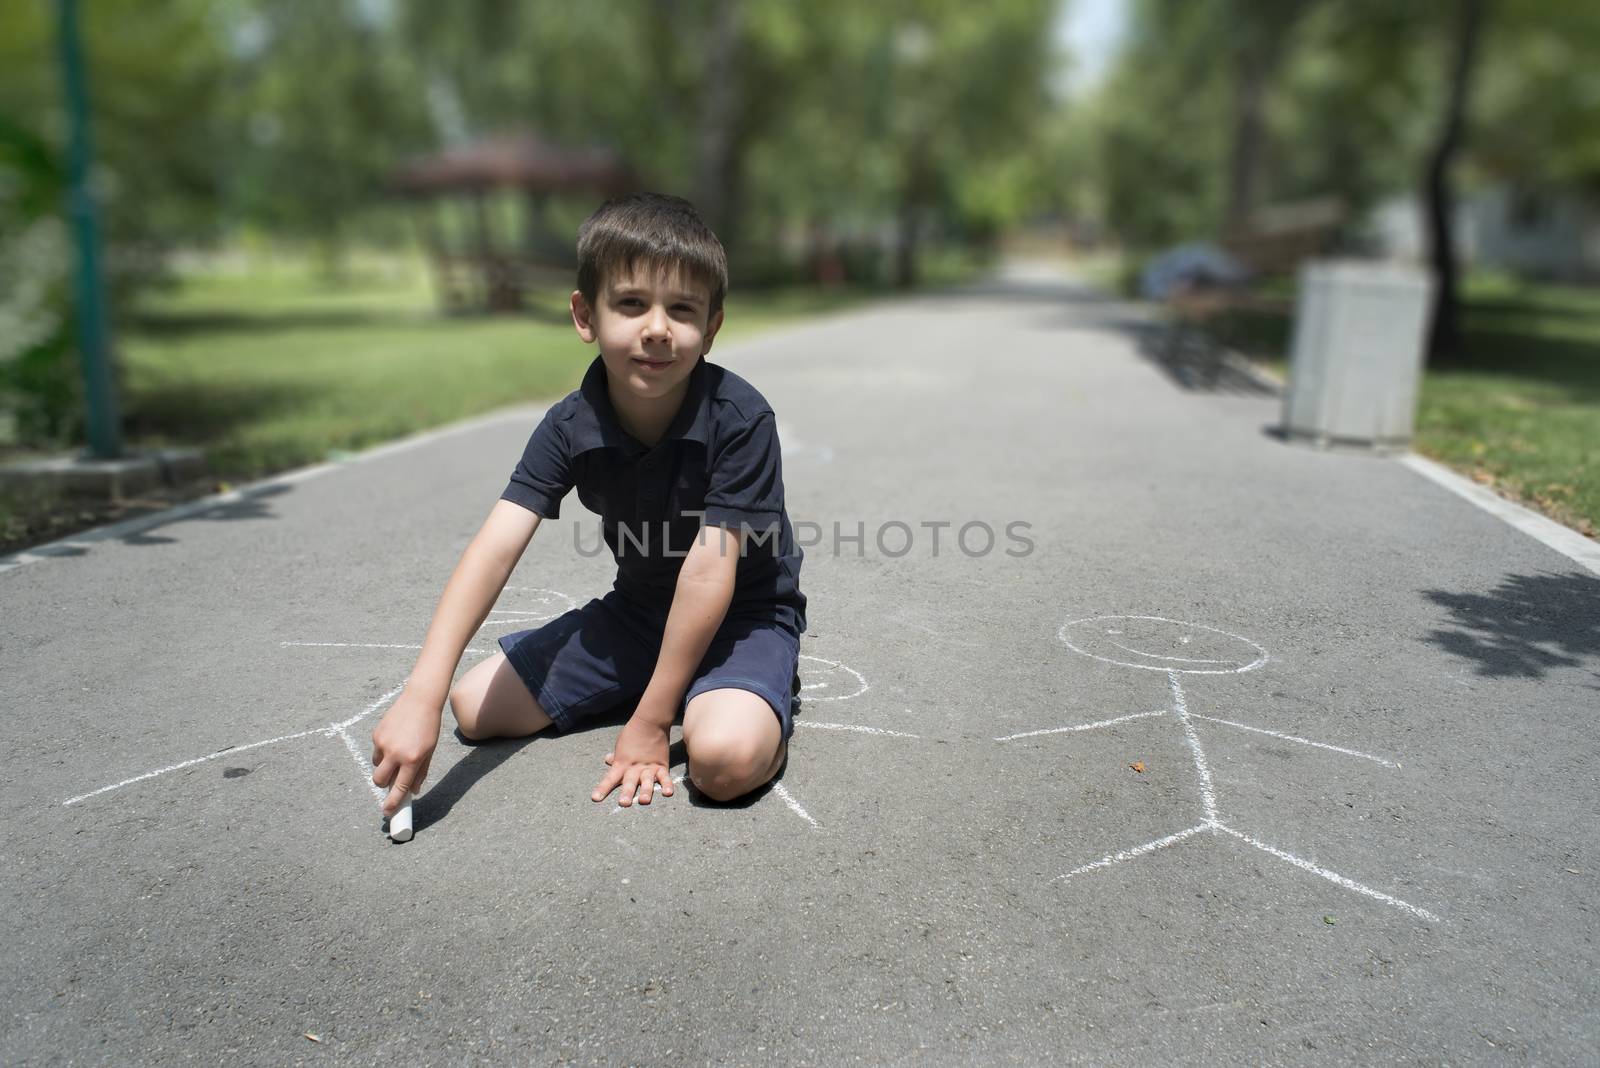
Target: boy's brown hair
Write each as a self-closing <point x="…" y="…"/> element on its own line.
<point x="654" y="231"/>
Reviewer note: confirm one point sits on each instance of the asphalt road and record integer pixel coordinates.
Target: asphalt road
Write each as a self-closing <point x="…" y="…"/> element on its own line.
<point x="1347" y="808"/>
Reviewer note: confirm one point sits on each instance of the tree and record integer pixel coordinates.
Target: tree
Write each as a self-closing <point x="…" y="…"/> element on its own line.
<point x="1445" y="333"/>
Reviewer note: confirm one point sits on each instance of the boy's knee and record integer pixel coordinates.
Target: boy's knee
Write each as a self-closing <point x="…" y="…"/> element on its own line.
<point x="728" y="764"/>
<point x="465" y="706"/>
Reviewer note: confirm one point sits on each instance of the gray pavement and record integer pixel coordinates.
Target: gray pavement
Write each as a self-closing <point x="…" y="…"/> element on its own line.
<point x="1365" y="827"/>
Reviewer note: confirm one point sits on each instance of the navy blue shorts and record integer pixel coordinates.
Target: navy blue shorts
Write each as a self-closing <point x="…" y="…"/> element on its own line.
<point x="590" y="660"/>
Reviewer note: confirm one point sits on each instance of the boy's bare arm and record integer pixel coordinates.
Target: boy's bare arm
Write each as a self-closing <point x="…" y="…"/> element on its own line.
<point x="404" y="739"/>
<point x="699" y="603"/>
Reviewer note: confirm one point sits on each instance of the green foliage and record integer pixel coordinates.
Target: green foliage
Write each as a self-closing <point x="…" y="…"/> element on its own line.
<point x="38" y="382"/>
<point x="1353" y="96"/>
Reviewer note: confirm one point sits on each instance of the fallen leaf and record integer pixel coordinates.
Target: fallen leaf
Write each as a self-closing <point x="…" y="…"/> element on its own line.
<point x="1329" y="920"/>
<point x="1573" y="871"/>
<point x="312" y="1037"/>
<point x="1138" y="766"/>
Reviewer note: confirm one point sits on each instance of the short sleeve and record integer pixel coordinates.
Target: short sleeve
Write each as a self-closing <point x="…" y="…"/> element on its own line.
<point x="544" y="474"/>
<point x="746" y="480"/>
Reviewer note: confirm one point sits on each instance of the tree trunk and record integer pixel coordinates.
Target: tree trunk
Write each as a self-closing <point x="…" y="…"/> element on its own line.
<point x="1252" y="69"/>
<point x="1444" y="337"/>
<point x="716" y="177"/>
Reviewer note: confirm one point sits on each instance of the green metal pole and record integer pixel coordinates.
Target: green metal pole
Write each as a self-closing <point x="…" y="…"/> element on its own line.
<point x="94" y="337"/>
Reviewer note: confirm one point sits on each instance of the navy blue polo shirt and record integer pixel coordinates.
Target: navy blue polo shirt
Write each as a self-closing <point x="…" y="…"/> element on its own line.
<point x="718" y="464"/>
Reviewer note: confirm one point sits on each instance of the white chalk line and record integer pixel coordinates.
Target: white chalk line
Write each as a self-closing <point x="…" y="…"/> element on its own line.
<point x="363" y="763"/>
<point x="677" y="780"/>
<point x="1181" y="659"/>
<point x="1137" y="851"/>
<point x="345" y="645"/>
<point x="1331" y="876"/>
<point x="474" y="650"/>
<point x="1261" y="653"/>
<point x="190" y="763"/>
<point x="777" y="788"/>
<point x="329" y="730"/>
<point x="1297" y="738"/>
<point x="854" y="727"/>
<point x="788" y="799"/>
<point x="835" y="664"/>
<point x="1208" y="797"/>
<point x="1081" y="726"/>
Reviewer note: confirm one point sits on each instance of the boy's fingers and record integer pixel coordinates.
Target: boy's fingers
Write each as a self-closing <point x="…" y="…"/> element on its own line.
<point x="630" y="783"/>
<point x="665" y="777"/>
<point x="607" y="784"/>
<point x="392" y="803"/>
<point x="383" y="772"/>
<point x="645" y="785"/>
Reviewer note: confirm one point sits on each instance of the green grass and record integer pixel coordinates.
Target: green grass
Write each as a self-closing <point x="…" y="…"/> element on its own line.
<point x="268" y="365"/>
<point x="273" y="368"/>
<point x="1521" y="408"/>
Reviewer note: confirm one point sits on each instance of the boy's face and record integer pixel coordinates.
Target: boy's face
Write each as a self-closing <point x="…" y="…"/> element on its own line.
<point x="652" y="329"/>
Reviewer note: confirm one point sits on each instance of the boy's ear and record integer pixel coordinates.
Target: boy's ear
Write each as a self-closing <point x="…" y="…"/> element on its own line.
<point x="583" y="317"/>
<point x="712" y="327"/>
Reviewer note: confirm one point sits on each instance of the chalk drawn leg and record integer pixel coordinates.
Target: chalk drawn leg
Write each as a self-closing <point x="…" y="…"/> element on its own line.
<point x="1137" y="851"/>
<point x="1332" y="876"/>
<point x="1081" y="726"/>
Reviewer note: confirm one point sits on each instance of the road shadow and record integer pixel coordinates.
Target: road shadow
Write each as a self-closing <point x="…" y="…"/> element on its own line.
<point x="484" y="757"/>
<point x="1190" y="357"/>
<point x="1193" y="360"/>
<point x="1524" y="627"/>
<point x="249" y="504"/>
<point x="481" y="760"/>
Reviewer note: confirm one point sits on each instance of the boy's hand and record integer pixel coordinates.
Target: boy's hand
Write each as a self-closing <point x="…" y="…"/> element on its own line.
<point x="638" y="763"/>
<point x="402" y="748"/>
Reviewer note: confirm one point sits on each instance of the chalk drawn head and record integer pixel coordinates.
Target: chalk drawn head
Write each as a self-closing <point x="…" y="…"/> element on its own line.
<point x="1157" y="644"/>
<point x="829" y="680"/>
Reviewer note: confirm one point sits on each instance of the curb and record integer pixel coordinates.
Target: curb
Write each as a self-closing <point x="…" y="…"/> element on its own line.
<point x="1562" y="539"/>
<point x="73" y="544"/>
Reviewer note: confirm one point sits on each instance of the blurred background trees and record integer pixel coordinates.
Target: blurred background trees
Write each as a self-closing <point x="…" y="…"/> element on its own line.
<point x="832" y="142"/>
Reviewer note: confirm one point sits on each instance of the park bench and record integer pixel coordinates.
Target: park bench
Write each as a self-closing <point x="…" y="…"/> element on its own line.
<point x="1268" y="248"/>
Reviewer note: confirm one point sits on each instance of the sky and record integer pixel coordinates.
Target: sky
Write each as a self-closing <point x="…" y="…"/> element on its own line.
<point x="1091" y="31"/>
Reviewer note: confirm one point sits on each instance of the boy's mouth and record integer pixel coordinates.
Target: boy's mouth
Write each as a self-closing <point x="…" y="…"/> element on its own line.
<point x="653" y="365"/>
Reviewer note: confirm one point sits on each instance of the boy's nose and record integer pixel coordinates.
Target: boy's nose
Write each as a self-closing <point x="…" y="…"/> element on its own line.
<point x="655" y="324"/>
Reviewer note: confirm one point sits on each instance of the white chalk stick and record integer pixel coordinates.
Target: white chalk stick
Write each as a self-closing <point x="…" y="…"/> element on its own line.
<point x="400" y="822"/>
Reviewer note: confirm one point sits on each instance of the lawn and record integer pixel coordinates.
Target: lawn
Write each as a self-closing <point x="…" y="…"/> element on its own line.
<point x="271" y="368"/>
<point x="267" y="365"/>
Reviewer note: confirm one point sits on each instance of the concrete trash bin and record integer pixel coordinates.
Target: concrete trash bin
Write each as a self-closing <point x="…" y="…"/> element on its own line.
<point x="1359" y="331"/>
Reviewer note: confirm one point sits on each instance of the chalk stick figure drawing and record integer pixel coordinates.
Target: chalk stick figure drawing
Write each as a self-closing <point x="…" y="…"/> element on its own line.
<point x="828" y="680"/>
<point x="1151" y="643"/>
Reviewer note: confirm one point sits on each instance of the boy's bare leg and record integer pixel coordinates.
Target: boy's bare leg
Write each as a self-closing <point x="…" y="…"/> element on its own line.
<point x="491" y="701"/>
<point x="735" y="743"/>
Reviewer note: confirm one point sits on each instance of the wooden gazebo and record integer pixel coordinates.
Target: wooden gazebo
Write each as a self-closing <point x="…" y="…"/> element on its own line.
<point x="485" y="257"/>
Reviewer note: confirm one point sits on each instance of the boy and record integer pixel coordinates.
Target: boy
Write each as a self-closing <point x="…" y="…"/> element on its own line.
<point x="680" y="458"/>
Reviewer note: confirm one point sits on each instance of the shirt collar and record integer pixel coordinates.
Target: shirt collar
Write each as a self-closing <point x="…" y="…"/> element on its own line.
<point x="597" y="426"/>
